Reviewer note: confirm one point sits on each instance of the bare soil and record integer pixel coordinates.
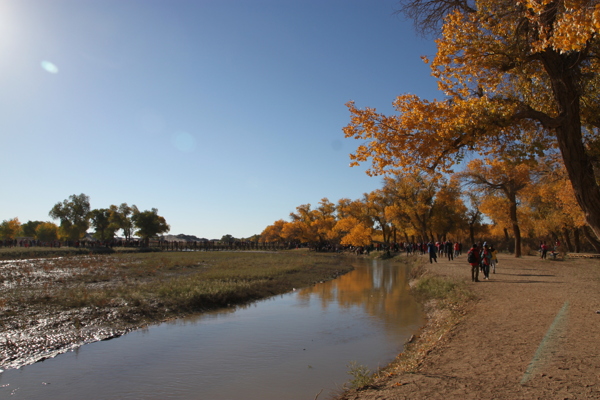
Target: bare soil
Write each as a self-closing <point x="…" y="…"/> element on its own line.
<point x="532" y="333"/>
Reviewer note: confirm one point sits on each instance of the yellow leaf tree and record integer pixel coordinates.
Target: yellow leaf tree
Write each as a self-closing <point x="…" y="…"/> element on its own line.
<point x="9" y="229"/>
<point x="449" y="218"/>
<point x="473" y="214"/>
<point x="46" y="232"/>
<point x="500" y="176"/>
<point x="519" y="76"/>
<point x="274" y="233"/>
<point x="556" y="212"/>
<point x="312" y="226"/>
<point x="354" y="232"/>
<point x="413" y="199"/>
<point x="376" y="203"/>
<point x="354" y="226"/>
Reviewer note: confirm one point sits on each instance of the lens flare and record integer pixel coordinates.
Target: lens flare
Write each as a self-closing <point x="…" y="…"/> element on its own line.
<point x="50" y="67"/>
<point x="184" y="142"/>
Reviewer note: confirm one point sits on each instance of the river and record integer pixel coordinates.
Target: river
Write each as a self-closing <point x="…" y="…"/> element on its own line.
<point x="292" y="346"/>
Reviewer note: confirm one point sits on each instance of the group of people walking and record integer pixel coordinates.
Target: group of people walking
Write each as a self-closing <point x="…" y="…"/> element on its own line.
<point x="482" y="258"/>
<point x="446" y="248"/>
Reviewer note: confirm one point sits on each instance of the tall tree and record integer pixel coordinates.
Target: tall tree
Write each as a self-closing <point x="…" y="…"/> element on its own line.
<point x="101" y="221"/>
<point x="354" y="232"/>
<point x="10" y="229"/>
<point x="273" y="233"/>
<point x="449" y="214"/>
<point x="46" y="232"/>
<point x="518" y="75"/>
<point x="554" y="208"/>
<point x="354" y="226"/>
<point x="473" y="214"/>
<point x="120" y="218"/>
<point x="73" y="214"/>
<point x="228" y="238"/>
<point x="301" y="227"/>
<point x="325" y="220"/>
<point x="376" y="203"/>
<point x="413" y="201"/>
<point x="149" y="224"/>
<point x="504" y="177"/>
<point x="29" y="227"/>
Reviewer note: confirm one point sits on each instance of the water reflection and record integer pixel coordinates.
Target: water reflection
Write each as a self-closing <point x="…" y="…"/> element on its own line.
<point x="286" y="347"/>
<point x="380" y="290"/>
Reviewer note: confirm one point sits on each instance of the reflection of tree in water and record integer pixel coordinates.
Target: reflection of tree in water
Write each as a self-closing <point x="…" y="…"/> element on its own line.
<point x="381" y="289"/>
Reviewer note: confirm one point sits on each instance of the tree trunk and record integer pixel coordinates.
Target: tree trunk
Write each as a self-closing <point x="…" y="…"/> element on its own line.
<point x="384" y="234"/>
<point x="472" y="233"/>
<point x="564" y="78"/>
<point x="568" y="240"/>
<point x="589" y="235"/>
<point x="577" y="240"/>
<point x="512" y="198"/>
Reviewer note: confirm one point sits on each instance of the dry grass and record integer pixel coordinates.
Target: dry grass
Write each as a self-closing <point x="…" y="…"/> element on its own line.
<point x="147" y="284"/>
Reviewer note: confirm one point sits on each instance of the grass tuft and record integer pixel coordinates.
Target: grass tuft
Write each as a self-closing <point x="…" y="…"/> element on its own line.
<point x="361" y="376"/>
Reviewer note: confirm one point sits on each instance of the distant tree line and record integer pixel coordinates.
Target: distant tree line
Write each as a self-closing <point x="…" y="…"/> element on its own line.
<point x="76" y="217"/>
<point x="499" y="199"/>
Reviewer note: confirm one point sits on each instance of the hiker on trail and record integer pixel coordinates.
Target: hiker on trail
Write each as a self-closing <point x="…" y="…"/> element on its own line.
<point x="480" y="249"/>
<point x="473" y="259"/>
<point x="432" y="250"/>
<point x="448" y="249"/>
<point x="494" y="260"/>
<point x="486" y="258"/>
<point x="544" y="249"/>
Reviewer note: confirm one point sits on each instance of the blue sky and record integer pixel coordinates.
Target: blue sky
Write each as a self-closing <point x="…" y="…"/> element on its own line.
<point x="225" y="115"/>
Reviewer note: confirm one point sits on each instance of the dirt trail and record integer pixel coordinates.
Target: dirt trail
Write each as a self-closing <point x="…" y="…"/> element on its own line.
<point x="533" y="334"/>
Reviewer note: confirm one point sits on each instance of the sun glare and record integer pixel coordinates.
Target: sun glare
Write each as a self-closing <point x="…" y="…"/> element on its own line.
<point x="8" y="28"/>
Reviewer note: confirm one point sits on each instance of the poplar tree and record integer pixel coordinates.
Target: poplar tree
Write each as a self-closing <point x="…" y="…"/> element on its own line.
<point x="518" y="76"/>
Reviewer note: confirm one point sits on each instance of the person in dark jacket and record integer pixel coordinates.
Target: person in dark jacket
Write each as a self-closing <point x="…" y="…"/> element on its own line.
<point x="432" y="250"/>
<point x="448" y="248"/>
<point x="473" y="258"/>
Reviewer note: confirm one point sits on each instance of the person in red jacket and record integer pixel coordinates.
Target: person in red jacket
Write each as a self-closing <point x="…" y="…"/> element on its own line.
<point x="474" y="259"/>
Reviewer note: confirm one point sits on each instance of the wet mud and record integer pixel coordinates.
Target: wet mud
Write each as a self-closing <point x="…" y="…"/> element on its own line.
<point x="33" y="327"/>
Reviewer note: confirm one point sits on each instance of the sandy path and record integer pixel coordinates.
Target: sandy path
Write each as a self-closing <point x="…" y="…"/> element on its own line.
<point x="489" y="355"/>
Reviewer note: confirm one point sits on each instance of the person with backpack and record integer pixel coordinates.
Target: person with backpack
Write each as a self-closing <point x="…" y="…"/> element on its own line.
<point x="486" y="258"/>
<point x="474" y="259"/>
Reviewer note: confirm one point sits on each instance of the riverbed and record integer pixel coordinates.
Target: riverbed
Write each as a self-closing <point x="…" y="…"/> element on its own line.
<point x="292" y="346"/>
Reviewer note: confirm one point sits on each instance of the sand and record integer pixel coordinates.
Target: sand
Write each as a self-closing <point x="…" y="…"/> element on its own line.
<point x="532" y="333"/>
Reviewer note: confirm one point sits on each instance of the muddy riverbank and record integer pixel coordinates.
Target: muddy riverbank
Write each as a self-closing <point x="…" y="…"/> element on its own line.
<point x="53" y="305"/>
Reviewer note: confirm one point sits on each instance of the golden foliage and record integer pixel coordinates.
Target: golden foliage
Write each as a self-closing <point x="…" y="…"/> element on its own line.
<point x="10" y="229"/>
<point x="499" y="94"/>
